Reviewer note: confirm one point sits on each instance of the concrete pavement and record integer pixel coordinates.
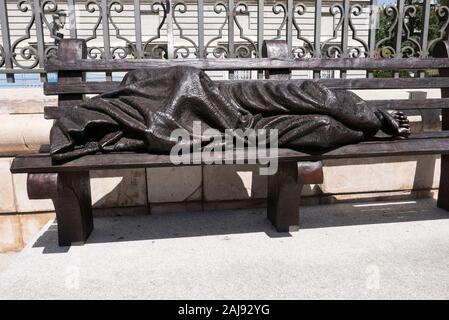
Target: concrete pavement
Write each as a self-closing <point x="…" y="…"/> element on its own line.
<point x="382" y="250"/>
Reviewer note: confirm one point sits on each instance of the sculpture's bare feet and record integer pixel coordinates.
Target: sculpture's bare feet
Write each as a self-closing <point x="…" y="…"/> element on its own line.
<point x="395" y="123"/>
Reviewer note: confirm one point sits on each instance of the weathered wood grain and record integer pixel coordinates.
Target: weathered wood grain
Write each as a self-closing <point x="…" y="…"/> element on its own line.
<point x="339" y="84"/>
<point x="400" y="104"/>
<point x="70" y="51"/>
<point x="112" y="65"/>
<point x="429" y="143"/>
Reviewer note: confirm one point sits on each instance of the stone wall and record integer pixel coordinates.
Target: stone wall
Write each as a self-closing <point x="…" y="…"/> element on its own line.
<point x="161" y="190"/>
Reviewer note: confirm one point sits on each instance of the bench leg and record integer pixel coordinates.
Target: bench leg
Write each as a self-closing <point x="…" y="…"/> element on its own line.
<point x="443" y="193"/>
<point x="71" y="197"/>
<point x="284" y="194"/>
<point x="441" y="50"/>
<point x="73" y="208"/>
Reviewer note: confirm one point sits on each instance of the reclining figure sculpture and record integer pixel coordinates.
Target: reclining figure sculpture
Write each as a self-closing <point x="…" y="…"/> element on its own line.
<point x="149" y="104"/>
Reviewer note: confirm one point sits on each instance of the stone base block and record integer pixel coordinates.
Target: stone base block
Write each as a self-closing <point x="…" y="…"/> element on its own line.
<point x="23" y="133"/>
<point x="174" y="184"/>
<point x="158" y="208"/>
<point x="24" y="100"/>
<point x="233" y="182"/>
<point x="7" y="201"/>
<point x="17" y="230"/>
<point x="370" y="175"/>
<point x="23" y="203"/>
<point x="118" y="188"/>
<point x="10" y="233"/>
<point x="120" y="211"/>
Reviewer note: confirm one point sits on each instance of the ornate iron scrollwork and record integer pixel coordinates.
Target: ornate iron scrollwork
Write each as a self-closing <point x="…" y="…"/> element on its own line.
<point x="443" y="14"/>
<point x="119" y="51"/>
<point x="58" y="18"/>
<point x="28" y="52"/>
<point x="243" y="51"/>
<point x="279" y="8"/>
<point x="345" y="41"/>
<point x="150" y="48"/>
<point x="337" y="50"/>
<point x="385" y="46"/>
<point x="219" y="51"/>
<point x="181" y="6"/>
<point x="410" y="46"/>
<point x="356" y="51"/>
<point x="57" y="23"/>
<point x="95" y="51"/>
<point x="307" y="48"/>
<point x="334" y="50"/>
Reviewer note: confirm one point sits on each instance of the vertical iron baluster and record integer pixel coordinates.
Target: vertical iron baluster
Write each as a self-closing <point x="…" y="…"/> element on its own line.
<point x="345" y="29"/>
<point x="72" y="18"/>
<point x="317" y="36"/>
<point x="344" y="32"/>
<point x="372" y="31"/>
<point x="260" y="33"/>
<point x="231" y="13"/>
<point x="138" y="27"/>
<point x="170" y="39"/>
<point x="6" y="40"/>
<point x="106" y="37"/>
<point x="40" y="36"/>
<point x="105" y="27"/>
<point x="289" y="30"/>
<point x="399" y="30"/>
<point x="425" y="32"/>
<point x="201" y="53"/>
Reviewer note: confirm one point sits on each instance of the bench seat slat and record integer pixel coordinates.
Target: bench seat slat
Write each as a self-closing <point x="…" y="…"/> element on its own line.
<point x="112" y="65"/>
<point x="418" y="144"/>
<point x="96" y="87"/>
<point x="54" y="112"/>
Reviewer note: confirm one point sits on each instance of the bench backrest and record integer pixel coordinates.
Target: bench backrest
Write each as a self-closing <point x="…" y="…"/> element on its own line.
<point x="72" y="65"/>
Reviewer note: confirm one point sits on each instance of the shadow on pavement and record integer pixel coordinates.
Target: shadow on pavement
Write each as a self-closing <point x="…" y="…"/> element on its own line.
<point x="178" y="225"/>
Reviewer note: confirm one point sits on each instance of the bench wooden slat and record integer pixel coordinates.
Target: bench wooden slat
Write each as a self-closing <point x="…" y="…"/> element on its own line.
<point x="45" y="148"/>
<point x="54" y="112"/>
<point x="93" y="87"/>
<point x="114" y="65"/>
<point x="41" y="163"/>
<point x="342" y="84"/>
<point x="401" y="104"/>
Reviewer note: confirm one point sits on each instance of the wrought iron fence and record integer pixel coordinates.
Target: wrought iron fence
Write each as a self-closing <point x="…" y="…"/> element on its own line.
<point x="206" y="29"/>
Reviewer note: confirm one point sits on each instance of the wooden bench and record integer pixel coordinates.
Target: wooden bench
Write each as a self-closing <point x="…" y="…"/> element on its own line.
<point x="68" y="184"/>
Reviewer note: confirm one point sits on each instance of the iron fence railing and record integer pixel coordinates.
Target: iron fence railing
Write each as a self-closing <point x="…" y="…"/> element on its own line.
<point x="206" y="29"/>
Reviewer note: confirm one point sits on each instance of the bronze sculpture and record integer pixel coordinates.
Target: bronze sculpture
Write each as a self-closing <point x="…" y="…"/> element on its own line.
<point x="149" y="104"/>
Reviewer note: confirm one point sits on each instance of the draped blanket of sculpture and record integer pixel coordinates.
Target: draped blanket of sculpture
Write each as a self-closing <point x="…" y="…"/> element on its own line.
<point x="149" y="104"/>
